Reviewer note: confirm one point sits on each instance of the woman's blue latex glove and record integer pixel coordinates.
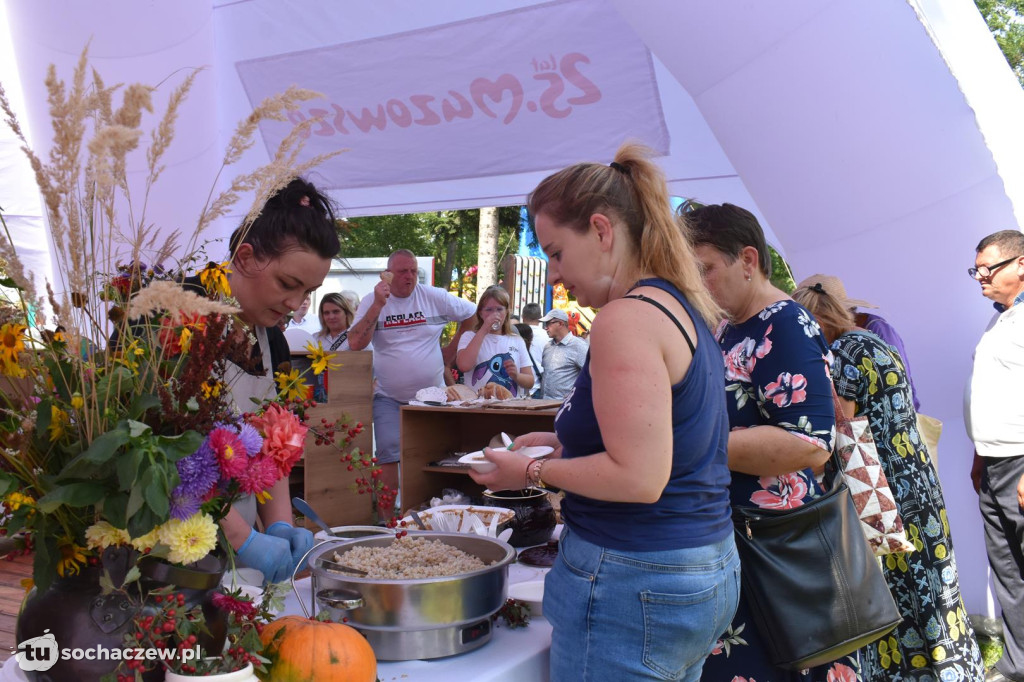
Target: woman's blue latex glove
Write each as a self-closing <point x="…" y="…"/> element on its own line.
<point x="299" y="539"/>
<point x="271" y="556"/>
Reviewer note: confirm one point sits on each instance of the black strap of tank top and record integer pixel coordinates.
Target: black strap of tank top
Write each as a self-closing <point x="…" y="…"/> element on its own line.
<point x="641" y="297"/>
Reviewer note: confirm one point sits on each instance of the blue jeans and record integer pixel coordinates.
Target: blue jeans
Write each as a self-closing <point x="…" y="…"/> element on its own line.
<point x="624" y="616"/>
<point x="386" y="431"/>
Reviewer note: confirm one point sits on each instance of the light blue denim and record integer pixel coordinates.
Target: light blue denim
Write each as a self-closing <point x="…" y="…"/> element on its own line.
<point x="624" y="616"/>
<point x="386" y="428"/>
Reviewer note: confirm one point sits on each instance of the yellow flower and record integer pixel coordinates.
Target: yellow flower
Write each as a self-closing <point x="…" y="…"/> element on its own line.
<point x="128" y="355"/>
<point x="101" y="535"/>
<point x="16" y="500"/>
<point x="211" y="390"/>
<point x="12" y="341"/>
<point x="147" y="541"/>
<point x="59" y="421"/>
<point x="214" y="278"/>
<point x="27" y="583"/>
<point x="891" y="378"/>
<point x="321" y="359"/>
<point x="71" y="558"/>
<point x="919" y="661"/>
<point x="11" y="368"/>
<point x="77" y="402"/>
<point x="938" y="654"/>
<point x="189" y="540"/>
<point x="291" y="386"/>
<point x="940" y="551"/>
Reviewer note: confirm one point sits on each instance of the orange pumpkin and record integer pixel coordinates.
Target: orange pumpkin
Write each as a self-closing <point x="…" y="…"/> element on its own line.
<point x="303" y="650"/>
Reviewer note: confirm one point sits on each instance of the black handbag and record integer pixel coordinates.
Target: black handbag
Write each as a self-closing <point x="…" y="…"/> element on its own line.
<point x="814" y="588"/>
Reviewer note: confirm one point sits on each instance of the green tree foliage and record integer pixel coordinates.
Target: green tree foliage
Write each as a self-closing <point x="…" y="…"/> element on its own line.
<point x="782" y="276"/>
<point x="1005" y="19"/>
<point x="449" y="236"/>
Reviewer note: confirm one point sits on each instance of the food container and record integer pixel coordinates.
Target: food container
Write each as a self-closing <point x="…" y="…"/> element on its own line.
<point x="416" y="618"/>
<point x="352" y="532"/>
<point x="535" y="518"/>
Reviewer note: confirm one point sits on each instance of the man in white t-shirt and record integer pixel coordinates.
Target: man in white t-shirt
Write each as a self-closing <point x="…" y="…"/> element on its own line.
<point x="405" y="322"/>
<point x="995" y="422"/>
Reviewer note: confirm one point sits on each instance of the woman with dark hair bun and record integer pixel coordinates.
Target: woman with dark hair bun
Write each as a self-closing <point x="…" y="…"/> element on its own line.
<point x="647" y="575"/>
<point x="275" y="263"/>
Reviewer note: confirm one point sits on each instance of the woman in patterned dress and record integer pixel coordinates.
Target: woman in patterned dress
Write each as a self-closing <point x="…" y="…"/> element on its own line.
<point x="781" y="414"/>
<point x="935" y="640"/>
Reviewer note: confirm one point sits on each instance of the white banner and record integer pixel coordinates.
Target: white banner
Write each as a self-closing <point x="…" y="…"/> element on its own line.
<point x="476" y="93"/>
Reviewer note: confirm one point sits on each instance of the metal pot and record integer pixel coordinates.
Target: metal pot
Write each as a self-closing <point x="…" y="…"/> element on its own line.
<point x="416" y="618"/>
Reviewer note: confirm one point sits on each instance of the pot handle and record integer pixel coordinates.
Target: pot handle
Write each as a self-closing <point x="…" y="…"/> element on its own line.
<point x="312" y="596"/>
<point x="344" y="600"/>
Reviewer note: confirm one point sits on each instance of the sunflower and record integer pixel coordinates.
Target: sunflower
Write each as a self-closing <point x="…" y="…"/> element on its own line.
<point x="291" y="386"/>
<point x="12" y="342"/>
<point x="214" y="278"/>
<point x="72" y="557"/>
<point x="321" y="358"/>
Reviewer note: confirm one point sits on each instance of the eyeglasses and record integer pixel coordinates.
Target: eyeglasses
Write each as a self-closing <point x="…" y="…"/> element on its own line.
<point x="499" y="309"/>
<point x="988" y="270"/>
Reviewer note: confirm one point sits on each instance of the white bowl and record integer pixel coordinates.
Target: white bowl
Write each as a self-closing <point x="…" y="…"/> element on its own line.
<point x="531" y="592"/>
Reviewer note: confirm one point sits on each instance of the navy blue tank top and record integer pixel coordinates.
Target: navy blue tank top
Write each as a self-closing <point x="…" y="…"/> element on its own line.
<point x="693" y="510"/>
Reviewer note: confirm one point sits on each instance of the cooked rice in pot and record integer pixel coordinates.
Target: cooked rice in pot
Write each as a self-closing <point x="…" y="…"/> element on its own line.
<point x="410" y="558"/>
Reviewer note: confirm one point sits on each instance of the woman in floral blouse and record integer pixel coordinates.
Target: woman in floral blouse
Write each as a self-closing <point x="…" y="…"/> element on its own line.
<point x="935" y="640"/>
<point x="781" y="414"/>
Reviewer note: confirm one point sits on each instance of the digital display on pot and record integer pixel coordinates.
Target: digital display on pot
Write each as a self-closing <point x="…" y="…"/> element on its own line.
<point x="477" y="631"/>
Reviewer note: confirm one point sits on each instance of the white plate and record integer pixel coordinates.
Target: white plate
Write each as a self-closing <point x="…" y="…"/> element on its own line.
<point x="482" y="465"/>
<point x="531" y="592"/>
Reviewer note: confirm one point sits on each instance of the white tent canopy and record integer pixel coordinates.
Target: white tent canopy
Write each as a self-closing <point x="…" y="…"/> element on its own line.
<point x="875" y="140"/>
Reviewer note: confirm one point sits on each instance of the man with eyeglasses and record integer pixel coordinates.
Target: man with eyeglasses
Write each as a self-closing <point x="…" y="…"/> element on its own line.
<point x="564" y="356"/>
<point x="404" y="319"/>
<point x="994" y="416"/>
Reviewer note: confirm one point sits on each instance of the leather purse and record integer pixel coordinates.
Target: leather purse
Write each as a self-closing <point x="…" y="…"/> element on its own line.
<point x="815" y="590"/>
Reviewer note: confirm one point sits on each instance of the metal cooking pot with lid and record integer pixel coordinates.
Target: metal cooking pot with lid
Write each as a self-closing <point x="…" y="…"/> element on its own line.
<point x="416" y="618"/>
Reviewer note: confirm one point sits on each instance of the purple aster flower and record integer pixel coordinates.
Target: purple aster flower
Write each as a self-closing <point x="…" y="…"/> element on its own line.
<point x="183" y="506"/>
<point x="251" y="439"/>
<point x="198" y="472"/>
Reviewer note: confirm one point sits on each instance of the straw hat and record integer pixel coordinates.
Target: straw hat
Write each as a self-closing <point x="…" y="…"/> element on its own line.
<point x="833" y="286"/>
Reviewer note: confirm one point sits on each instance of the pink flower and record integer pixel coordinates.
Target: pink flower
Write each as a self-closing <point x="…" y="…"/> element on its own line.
<point x="738" y="361"/>
<point x="718" y="648"/>
<point x="259" y="476"/>
<point x="841" y="673"/>
<point x="229" y="450"/>
<point x="787" y="389"/>
<point x="787" y="492"/>
<point x="742" y="679"/>
<point x="284" y="437"/>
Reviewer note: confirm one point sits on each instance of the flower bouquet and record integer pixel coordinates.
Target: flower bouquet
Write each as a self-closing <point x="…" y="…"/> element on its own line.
<point x="120" y="448"/>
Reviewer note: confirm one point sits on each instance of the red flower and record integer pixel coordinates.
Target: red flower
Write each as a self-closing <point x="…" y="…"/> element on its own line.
<point x="230" y="452"/>
<point x="284" y="437"/>
<point x="787" y="389"/>
<point x="225" y="602"/>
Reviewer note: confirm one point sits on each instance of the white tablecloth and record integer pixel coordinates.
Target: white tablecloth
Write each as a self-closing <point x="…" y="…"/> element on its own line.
<point x="519" y="655"/>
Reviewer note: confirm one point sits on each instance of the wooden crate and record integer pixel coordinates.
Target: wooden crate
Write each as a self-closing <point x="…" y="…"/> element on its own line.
<point x="329" y="486"/>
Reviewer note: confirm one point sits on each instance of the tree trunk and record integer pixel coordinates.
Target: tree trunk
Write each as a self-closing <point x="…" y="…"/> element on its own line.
<point x="487" y="259"/>
<point x="449" y="262"/>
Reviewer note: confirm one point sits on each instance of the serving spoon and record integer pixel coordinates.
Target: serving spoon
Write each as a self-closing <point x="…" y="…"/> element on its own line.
<point x="303" y="508"/>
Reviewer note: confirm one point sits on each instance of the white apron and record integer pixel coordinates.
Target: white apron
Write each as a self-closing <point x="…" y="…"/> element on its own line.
<point x="243" y="386"/>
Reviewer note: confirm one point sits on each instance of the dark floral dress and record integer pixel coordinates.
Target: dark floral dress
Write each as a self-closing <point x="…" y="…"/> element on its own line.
<point x="777" y="374"/>
<point x="935" y="640"/>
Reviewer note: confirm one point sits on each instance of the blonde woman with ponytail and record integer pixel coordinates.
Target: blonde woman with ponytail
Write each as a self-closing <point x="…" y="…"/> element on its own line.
<point x="648" y="575"/>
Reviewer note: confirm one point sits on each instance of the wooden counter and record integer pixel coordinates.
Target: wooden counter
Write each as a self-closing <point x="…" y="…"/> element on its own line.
<point x="429" y="434"/>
